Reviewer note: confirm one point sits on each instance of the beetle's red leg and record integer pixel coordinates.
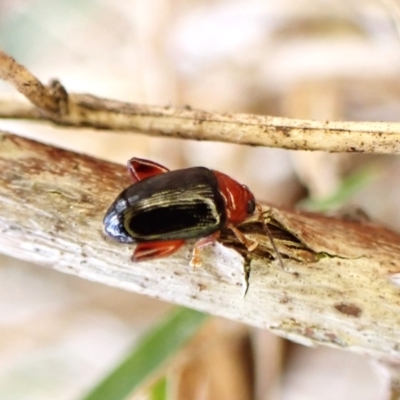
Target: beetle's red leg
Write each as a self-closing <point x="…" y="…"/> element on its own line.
<point x="140" y="169"/>
<point x="150" y="250"/>
<point x="251" y="245"/>
<point x="196" y="259"/>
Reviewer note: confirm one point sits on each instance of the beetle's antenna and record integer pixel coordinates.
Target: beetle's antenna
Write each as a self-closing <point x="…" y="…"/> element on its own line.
<point x="269" y="234"/>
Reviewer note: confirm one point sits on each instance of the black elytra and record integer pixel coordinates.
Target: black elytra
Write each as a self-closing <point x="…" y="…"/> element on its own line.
<point x="182" y="204"/>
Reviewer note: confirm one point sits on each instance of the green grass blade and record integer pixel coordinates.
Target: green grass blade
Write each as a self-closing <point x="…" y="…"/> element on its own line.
<point x="152" y="351"/>
<point x="159" y="391"/>
<point x="348" y="188"/>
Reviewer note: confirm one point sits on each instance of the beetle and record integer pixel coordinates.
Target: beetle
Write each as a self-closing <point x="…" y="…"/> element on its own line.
<point x="162" y="209"/>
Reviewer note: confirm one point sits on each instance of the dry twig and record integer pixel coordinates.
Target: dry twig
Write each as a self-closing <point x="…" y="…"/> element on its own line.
<point x="55" y="104"/>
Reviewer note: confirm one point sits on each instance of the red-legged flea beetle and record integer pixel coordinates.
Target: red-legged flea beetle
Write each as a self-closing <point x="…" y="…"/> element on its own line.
<point x="163" y="208"/>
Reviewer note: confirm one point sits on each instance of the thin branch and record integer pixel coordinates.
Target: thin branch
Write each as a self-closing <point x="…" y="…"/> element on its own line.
<point x="47" y="99"/>
<point x="80" y="110"/>
<point x="336" y="287"/>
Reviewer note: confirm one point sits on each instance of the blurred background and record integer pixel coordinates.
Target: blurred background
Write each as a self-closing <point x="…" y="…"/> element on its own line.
<point x="312" y="59"/>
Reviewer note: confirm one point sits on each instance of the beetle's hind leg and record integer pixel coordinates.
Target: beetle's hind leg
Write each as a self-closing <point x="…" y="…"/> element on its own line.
<point x="139" y="169"/>
<point x="150" y="250"/>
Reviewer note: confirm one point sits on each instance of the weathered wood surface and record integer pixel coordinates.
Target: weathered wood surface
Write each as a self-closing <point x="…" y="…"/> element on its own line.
<point x="337" y="288"/>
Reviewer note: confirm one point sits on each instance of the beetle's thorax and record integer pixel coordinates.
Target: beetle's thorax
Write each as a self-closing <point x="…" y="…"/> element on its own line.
<point x="236" y="198"/>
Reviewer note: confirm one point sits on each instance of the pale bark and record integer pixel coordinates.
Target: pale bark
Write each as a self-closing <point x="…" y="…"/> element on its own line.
<point x="337" y="287"/>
